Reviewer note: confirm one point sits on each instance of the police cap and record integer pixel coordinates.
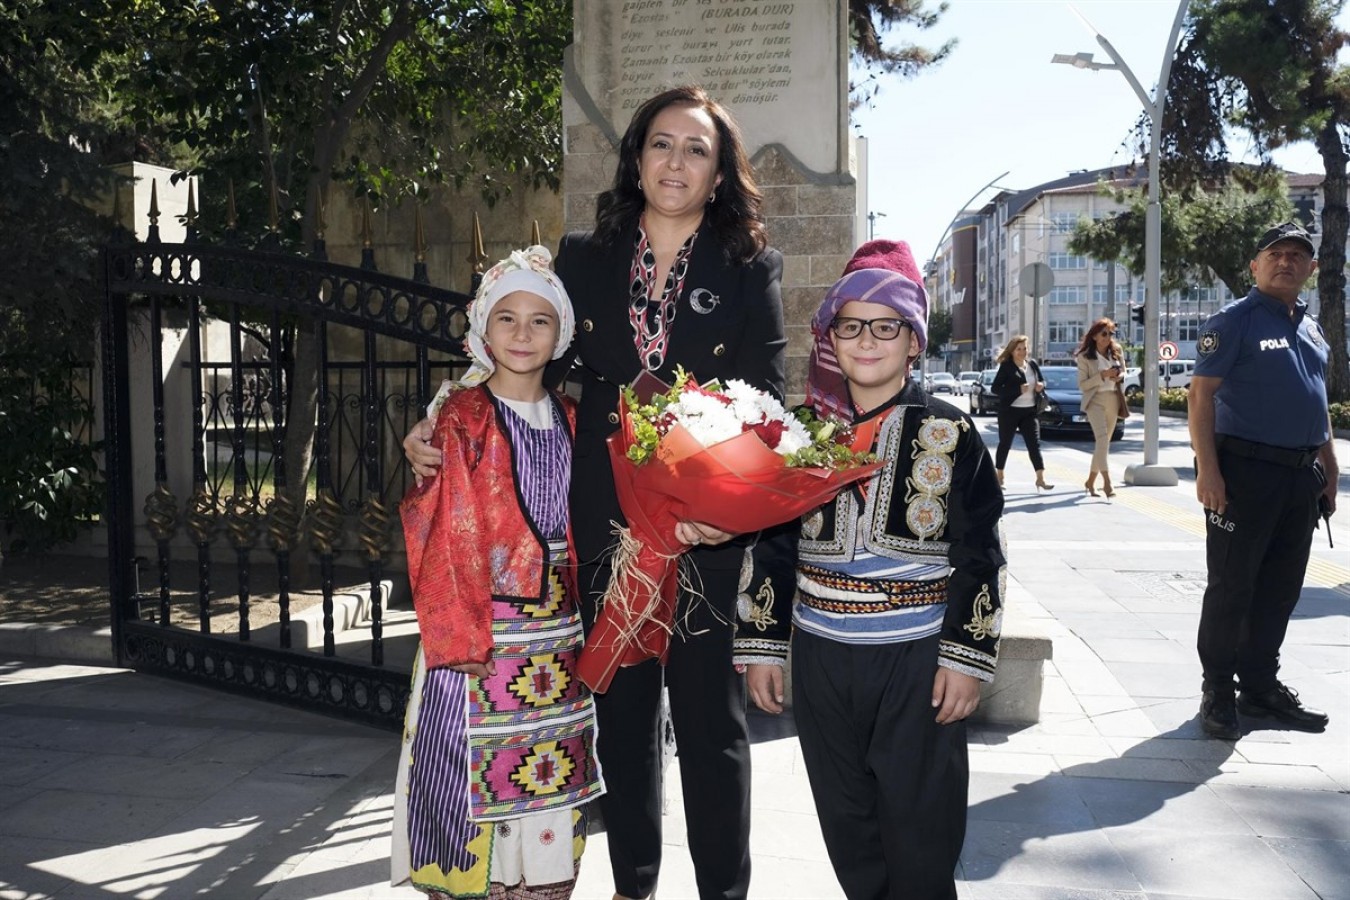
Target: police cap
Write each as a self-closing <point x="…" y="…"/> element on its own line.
<point x="1289" y="231"/>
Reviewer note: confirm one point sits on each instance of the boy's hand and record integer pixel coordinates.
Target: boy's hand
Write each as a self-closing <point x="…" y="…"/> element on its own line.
<point x="955" y="695"/>
<point x="765" y="683"/>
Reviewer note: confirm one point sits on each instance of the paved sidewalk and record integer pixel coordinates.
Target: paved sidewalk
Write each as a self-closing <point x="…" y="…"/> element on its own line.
<point x="119" y="784"/>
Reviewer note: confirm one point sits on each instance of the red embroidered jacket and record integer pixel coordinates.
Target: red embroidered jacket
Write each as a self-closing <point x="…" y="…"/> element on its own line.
<point x="468" y="537"/>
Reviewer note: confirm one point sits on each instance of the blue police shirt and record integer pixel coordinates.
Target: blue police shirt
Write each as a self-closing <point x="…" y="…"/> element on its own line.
<point x="1273" y="368"/>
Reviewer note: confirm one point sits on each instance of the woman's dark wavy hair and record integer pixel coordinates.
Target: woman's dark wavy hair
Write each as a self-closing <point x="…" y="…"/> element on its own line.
<point x="1088" y="347"/>
<point x="734" y="213"/>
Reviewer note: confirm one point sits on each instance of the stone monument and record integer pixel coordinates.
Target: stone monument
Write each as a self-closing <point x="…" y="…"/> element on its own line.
<point x="779" y="67"/>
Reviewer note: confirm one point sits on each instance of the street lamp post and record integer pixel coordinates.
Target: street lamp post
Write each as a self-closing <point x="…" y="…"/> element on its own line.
<point x="872" y="223"/>
<point x="1150" y="473"/>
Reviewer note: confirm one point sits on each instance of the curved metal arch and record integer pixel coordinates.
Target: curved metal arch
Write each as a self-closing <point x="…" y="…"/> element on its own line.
<point x="374" y="301"/>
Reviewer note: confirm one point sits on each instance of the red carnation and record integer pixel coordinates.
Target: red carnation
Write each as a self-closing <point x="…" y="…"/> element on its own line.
<point x="770" y="432"/>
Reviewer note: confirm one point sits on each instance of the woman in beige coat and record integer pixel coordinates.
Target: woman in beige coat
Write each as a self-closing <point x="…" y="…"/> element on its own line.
<point x="1101" y="366"/>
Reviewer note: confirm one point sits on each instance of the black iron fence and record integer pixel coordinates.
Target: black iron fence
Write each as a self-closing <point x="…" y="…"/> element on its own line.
<point x="242" y="498"/>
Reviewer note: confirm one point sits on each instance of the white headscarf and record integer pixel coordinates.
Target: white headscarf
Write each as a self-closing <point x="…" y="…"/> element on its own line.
<point x="524" y="270"/>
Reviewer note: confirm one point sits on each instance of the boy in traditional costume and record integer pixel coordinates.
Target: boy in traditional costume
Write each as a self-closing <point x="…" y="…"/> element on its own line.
<point x="899" y="593"/>
<point x="499" y="737"/>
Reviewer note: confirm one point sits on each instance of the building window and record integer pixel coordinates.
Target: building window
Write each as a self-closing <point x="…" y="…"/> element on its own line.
<point x="1062" y="260"/>
<point x="1069" y="331"/>
<point x="1188" y="328"/>
<point x="1064" y="223"/>
<point x="1099" y="293"/>
<point x="1067" y="294"/>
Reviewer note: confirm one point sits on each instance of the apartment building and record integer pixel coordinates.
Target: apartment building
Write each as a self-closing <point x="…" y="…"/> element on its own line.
<point x="1006" y="269"/>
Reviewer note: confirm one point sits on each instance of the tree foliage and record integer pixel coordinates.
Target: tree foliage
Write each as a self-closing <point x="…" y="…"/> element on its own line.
<point x="53" y="127"/>
<point x="56" y="124"/>
<point x="869" y="21"/>
<point x="1208" y="234"/>
<point x="1270" y="68"/>
<point x="939" y="331"/>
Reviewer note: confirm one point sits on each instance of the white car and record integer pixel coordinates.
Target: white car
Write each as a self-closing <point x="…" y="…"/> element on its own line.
<point x="942" y="383"/>
<point x="966" y="382"/>
<point x="1131" y="383"/>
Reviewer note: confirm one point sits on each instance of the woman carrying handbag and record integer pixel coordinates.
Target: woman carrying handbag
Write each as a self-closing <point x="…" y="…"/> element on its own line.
<point x="1021" y="394"/>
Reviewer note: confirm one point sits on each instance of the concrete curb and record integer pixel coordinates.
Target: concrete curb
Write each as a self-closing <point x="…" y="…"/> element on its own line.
<point x="72" y="643"/>
<point x="88" y="644"/>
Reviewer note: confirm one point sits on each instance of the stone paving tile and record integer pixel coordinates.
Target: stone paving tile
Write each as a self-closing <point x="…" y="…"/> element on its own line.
<point x="1031" y="854"/>
<point x="1132" y="768"/>
<point x="1142" y="650"/>
<point x="1267" y="775"/>
<point x="1005" y="891"/>
<point x="1126" y="723"/>
<point x="1040" y="742"/>
<point x="1048" y="800"/>
<point x="93" y="818"/>
<point x="1164" y="864"/>
<point x="1324" y="865"/>
<point x="144" y="776"/>
<point x="1030" y="764"/>
<point x="20" y="766"/>
<point x="1274" y="812"/>
<point x="1171" y="806"/>
<point x="1158" y="679"/>
<point x="30" y="867"/>
<point x="1097" y="704"/>
<point x="1171" y="747"/>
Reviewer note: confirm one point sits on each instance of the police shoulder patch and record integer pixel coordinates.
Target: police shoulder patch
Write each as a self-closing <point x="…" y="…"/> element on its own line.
<point x="1208" y="343"/>
<point x="1315" y="332"/>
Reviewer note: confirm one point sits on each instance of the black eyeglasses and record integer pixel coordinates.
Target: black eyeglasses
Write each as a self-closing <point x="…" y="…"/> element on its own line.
<point x="882" y="329"/>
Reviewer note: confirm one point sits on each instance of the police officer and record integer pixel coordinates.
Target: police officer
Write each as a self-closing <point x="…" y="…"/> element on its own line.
<point x="1264" y="457"/>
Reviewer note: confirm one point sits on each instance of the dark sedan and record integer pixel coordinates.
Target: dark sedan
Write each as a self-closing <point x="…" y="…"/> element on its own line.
<point x="1064" y="413"/>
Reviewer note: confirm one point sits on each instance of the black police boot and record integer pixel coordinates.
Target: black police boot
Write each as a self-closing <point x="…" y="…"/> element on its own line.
<point x="1282" y="703"/>
<point x="1218" y="715"/>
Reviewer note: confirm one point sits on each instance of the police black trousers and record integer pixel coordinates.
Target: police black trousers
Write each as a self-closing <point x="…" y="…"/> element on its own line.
<point x="1014" y="419"/>
<point x="1257" y="553"/>
<point x="707" y="711"/>
<point x="890" y="784"/>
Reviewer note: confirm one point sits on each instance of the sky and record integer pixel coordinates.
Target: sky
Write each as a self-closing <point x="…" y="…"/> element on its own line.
<point x="997" y="104"/>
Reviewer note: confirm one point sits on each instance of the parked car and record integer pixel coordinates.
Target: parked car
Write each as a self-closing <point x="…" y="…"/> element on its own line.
<point x="966" y="382"/>
<point x="942" y="383"/>
<point x="1064" y="411"/>
<point x="982" y="399"/>
<point x="1176" y="373"/>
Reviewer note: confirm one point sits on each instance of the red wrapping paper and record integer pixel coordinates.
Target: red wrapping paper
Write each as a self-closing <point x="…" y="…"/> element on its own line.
<point x="738" y="485"/>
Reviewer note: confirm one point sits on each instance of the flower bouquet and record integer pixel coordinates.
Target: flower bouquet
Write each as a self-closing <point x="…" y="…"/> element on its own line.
<point x="730" y="456"/>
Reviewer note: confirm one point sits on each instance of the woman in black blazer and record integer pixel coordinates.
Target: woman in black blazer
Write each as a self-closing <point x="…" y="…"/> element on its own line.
<point x="676" y="273"/>
<point x="677" y="265"/>
<point x="1021" y="392"/>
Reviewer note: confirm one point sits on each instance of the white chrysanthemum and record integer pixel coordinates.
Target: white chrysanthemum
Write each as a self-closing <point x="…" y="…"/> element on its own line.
<point x="707" y="419"/>
<point x="795" y="437"/>
<point x="752" y="405"/>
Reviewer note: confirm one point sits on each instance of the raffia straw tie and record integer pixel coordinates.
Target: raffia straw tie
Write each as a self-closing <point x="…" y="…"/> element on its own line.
<point x="627" y="573"/>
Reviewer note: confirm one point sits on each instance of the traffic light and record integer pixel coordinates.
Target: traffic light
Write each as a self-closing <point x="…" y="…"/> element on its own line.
<point x="1137" y="313"/>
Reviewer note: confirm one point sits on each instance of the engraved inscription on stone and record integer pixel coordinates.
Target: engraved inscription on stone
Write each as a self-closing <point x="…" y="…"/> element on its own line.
<point x="774" y="64"/>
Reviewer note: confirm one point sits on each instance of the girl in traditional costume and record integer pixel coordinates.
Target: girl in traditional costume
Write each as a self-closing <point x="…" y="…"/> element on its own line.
<point x="498" y="754"/>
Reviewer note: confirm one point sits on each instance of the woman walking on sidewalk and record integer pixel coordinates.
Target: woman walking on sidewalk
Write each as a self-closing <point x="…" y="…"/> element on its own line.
<point x="1101" y="366"/>
<point x="1021" y="395"/>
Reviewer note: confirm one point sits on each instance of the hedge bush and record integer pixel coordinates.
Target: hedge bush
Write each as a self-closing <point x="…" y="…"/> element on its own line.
<point x="1175" y="399"/>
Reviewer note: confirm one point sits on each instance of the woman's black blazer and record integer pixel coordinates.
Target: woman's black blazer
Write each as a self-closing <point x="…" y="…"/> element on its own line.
<point x="1009" y="379"/>
<point x="732" y="328"/>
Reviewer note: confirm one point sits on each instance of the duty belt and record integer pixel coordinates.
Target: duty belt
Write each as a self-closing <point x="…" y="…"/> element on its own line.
<point x="1280" y="456"/>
